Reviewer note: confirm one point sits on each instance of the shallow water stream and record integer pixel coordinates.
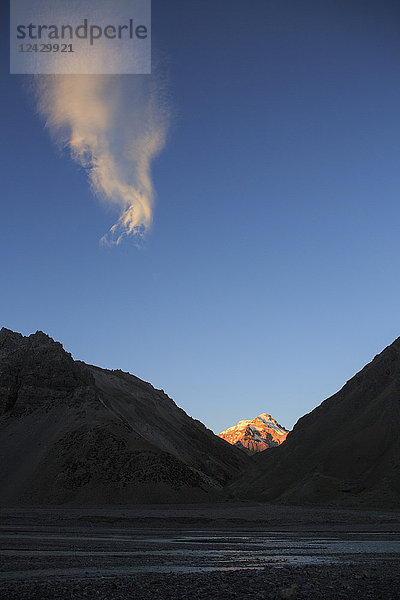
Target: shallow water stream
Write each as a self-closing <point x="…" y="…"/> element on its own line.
<point x="38" y="552"/>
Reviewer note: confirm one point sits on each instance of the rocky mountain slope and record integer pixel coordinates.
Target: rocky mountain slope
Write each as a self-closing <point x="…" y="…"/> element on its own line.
<point x="255" y="435"/>
<point x="75" y="434"/>
<point x="346" y="452"/>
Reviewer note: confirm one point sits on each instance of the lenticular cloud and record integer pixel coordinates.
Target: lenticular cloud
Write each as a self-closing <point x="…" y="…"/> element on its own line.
<point x="113" y="126"/>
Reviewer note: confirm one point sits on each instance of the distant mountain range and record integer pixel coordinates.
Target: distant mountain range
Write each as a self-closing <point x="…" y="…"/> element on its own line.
<point x="73" y="434"/>
<point x="253" y="436"/>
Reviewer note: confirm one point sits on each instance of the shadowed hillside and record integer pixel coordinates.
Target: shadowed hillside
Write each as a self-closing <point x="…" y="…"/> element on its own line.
<point x="75" y="434"/>
<point x="345" y="452"/>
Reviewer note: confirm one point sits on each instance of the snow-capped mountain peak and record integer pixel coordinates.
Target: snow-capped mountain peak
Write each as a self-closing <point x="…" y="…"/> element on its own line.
<point x="255" y="435"/>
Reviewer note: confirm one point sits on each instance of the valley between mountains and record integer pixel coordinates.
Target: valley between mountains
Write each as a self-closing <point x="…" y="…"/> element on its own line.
<point x="73" y="434"/>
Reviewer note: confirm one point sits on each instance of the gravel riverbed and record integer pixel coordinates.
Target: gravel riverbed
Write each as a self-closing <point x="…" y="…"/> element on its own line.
<point x="259" y="552"/>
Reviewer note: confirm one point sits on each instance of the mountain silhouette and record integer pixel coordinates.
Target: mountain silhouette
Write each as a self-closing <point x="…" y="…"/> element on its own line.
<point x="345" y="452"/>
<point x="75" y="434"/>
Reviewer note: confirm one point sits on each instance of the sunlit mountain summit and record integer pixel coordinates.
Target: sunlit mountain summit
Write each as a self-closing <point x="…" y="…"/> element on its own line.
<point x="255" y="435"/>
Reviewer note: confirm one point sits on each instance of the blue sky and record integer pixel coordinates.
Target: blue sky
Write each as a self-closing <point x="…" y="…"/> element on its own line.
<point x="270" y="274"/>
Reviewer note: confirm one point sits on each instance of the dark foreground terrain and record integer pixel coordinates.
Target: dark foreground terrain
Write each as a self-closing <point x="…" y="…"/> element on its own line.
<point x="199" y="552"/>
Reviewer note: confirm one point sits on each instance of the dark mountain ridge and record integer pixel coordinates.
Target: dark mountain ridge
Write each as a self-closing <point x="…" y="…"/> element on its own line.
<point x="345" y="452"/>
<point x="75" y="434"/>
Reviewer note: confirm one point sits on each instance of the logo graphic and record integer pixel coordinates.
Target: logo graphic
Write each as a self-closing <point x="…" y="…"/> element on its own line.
<point x="80" y="37"/>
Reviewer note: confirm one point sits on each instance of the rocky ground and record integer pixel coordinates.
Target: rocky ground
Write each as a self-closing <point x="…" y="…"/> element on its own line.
<point x="362" y="581"/>
<point x="262" y="552"/>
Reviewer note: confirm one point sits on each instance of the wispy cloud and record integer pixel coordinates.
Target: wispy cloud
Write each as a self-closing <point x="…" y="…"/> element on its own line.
<point x="114" y="126"/>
